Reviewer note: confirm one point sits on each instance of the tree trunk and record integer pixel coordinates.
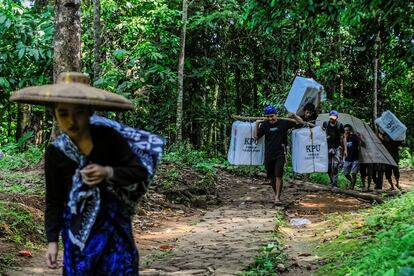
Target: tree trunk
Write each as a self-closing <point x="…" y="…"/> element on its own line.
<point x="97" y="39"/>
<point x="376" y="73"/>
<point x="256" y="80"/>
<point x="23" y="119"/>
<point x="181" y="59"/>
<point x="212" y="131"/>
<point x="339" y="49"/>
<point x="67" y="42"/>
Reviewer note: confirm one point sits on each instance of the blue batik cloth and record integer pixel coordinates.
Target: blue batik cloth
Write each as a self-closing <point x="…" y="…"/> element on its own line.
<point x="85" y="201"/>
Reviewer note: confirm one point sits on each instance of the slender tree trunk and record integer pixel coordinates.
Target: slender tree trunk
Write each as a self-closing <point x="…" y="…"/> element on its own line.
<point x="256" y="80"/>
<point x="181" y="59"/>
<point x="376" y="74"/>
<point x="339" y="50"/>
<point x="97" y="39"/>
<point x="212" y="132"/>
<point x="237" y="77"/>
<point x="67" y="42"/>
<point x="23" y="119"/>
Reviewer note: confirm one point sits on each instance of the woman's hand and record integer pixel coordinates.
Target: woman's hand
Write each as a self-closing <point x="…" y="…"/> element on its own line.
<point x="93" y="174"/>
<point x="51" y="255"/>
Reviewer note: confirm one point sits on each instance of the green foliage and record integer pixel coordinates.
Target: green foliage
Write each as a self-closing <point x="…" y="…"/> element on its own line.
<point x="267" y="260"/>
<point x="25" y="56"/>
<point x="387" y="237"/>
<point x="16" y="169"/>
<point x="185" y="154"/>
<point x="270" y="255"/>
<point x="407" y="159"/>
<point x="242" y="170"/>
<point x="239" y="55"/>
<point x="15" y="160"/>
<point x="6" y="261"/>
<point x="19" y="225"/>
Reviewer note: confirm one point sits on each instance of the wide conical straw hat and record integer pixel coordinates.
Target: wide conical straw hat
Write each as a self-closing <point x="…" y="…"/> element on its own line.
<point x="72" y="87"/>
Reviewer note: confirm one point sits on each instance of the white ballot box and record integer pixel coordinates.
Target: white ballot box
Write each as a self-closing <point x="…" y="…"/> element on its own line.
<point x="392" y="126"/>
<point x="244" y="150"/>
<point x="309" y="150"/>
<point x="303" y="91"/>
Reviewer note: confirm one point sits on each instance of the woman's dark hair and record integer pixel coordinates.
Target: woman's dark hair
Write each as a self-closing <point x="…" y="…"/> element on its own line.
<point x="309" y="107"/>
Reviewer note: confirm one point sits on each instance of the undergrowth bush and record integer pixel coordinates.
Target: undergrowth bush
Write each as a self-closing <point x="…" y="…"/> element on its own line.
<point x="14" y="175"/>
<point x="407" y="159"/>
<point x="203" y="162"/>
<point x="382" y="245"/>
<point x="18" y="224"/>
<point x="15" y="157"/>
<point x="185" y="154"/>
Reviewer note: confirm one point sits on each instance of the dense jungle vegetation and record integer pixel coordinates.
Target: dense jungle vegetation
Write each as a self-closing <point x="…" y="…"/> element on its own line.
<point x="239" y="55"/>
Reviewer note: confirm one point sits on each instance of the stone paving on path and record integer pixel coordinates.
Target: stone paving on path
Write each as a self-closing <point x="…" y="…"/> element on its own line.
<point x="224" y="242"/>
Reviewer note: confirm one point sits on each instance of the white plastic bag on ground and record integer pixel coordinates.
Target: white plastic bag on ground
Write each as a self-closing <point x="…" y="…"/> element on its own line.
<point x="243" y="148"/>
<point x="303" y="91"/>
<point x="392" y="126"/>
<point x="309" y="150"/>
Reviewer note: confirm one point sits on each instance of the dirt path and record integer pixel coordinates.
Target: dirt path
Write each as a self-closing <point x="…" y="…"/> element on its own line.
<point x="224" y="239"/>
<point x="322" y="210"/>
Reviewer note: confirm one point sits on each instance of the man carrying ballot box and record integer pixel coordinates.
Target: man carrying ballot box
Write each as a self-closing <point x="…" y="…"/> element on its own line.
<point x="275" y="131"/>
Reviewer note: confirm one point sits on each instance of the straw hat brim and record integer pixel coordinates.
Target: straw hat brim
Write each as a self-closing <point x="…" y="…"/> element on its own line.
<point x="75" y="93"/>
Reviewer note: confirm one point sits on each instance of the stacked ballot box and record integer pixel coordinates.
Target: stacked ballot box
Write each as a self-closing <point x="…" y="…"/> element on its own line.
<point x="244" y="150"/>
<point x="309" y="150"/>
<point x="390" y="124"/>
<point x="303" y="91"/>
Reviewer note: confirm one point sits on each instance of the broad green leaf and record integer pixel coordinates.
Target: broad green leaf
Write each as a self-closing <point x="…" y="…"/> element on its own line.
<point x="21" y="52"/>
<point x="120" y="54"/>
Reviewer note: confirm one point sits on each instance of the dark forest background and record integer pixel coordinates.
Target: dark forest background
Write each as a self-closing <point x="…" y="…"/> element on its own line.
<point x="239" y="55"/>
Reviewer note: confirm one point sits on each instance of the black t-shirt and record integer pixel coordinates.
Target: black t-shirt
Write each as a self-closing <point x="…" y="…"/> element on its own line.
<point x="393" y="148"/>
<point x="275" y="137"/>
<point x="352" y="144"/>
<point x="333" y="133"/>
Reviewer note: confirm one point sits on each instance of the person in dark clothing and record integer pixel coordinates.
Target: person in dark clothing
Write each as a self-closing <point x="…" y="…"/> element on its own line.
<point x="96" y="172"/>
<point x="352" y="142"/>
<point x="310" y="113"/>
<point x="308" y="118"/>
<point x="366" y="172"/>
<point x="393" y="148"/>
<point x="104" y="166"/>
<point x="275" y="131"/>
<point x="334" y="131"/>
<point x="378" y="175"/>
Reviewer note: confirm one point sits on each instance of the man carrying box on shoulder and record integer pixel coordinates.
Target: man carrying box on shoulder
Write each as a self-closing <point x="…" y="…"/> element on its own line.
<point x="275" y="131"/>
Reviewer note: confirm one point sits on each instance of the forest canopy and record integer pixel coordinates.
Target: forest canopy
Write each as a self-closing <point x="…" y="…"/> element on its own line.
<point x="239" y="55"/>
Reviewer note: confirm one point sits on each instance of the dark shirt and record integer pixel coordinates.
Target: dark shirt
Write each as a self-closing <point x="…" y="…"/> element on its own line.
<point x="393" y="149"/>
<point x="352" y="146"/>
<point x="109" y="149"/>
<point x="275" y="137"/>
<point x="333" y="134"/>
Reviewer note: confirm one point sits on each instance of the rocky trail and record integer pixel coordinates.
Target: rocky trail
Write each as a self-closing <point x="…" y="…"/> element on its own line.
<point x="223" y="238"/>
